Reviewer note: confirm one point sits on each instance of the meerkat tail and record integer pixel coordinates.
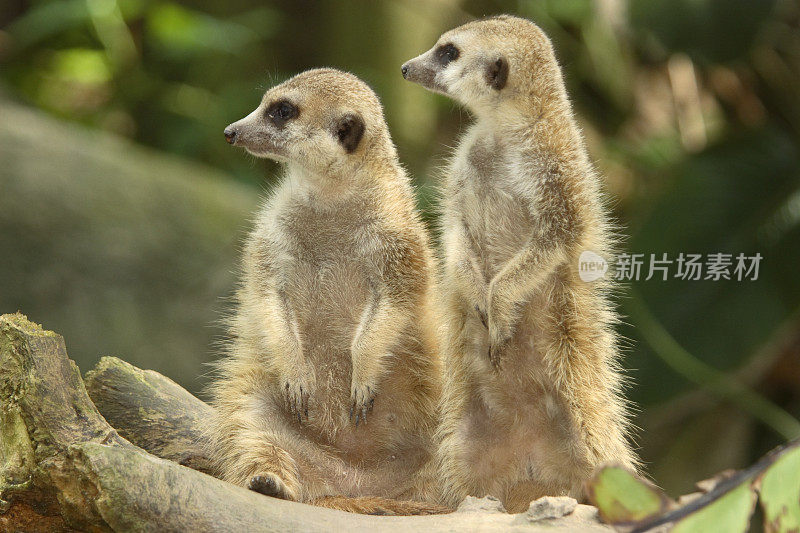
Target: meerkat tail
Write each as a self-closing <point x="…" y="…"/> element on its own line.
<point x="380" y="506"/>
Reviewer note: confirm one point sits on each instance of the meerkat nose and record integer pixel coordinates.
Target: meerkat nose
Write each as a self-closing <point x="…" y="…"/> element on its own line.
<point x="230" y="135"/>
<point x="404" y="70"/>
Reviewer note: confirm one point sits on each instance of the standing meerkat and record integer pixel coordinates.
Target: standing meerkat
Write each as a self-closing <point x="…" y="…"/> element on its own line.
<point x="330" y="387"/>
<point x="532" y="395"/>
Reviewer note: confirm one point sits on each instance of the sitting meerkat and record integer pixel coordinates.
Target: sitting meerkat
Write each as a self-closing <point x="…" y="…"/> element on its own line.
<point x="532" y="395"/>
<point x="332" y="379"/>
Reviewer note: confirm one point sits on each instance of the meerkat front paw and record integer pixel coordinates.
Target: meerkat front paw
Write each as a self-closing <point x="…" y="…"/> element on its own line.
<point x="498" y="341"/>
<point x="482" y="315"/>
<point x="362" y="400"/>
<point x="298" y="388"/>
<point x="271" y="484"/>
<point x="500" y="332"/>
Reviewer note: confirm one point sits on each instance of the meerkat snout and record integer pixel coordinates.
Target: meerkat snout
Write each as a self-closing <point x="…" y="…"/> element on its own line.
<point x="420" y="70"/>
<point x="230" y="135"/>
<point x="266" y="131"/>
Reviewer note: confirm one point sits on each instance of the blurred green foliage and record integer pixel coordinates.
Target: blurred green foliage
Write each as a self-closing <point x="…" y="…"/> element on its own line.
<point x="690" y="109"/>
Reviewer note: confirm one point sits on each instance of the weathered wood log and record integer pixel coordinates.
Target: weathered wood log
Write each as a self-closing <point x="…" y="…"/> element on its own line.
<point x="64" y="468"/>
<point x="151" y="411"/>
<point x="140" y="492"/>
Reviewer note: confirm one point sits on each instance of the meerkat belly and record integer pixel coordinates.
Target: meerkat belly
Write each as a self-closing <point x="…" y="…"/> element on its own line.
<point x="505" y="231"/>
<point x="506" y="439"/>
<point x="519" y="424"/>
<point x="391" y="438"/>
<point x="331" y="296"/>
<point x="523" y="400"/>
<point x="331" y="293"/>
<point x="518" y="421"/>
<point x="498" y="221"/>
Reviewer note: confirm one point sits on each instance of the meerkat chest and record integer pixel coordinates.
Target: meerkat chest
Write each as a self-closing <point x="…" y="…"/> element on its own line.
<point x="491" y="201"/>
<point x="324" y="238"/>
<point x="329" y="267"/>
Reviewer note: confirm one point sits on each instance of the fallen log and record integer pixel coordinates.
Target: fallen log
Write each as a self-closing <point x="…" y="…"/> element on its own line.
<point x="64" y="468"/>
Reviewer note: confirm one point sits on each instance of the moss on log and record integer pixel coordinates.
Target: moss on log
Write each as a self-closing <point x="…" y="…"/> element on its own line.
<point x="44" y="411"/>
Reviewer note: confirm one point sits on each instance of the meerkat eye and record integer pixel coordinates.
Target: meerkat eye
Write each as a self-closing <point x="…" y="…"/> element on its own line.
<point x="447" y="53"/>
<point x="281" y="112"/>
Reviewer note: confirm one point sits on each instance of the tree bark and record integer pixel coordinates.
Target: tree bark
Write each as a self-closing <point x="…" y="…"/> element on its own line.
<point x="45" y="411"/>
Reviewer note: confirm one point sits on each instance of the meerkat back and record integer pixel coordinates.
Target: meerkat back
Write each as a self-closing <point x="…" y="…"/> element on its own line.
<point x="332" y="376"/>
<point x="532" y="401"/>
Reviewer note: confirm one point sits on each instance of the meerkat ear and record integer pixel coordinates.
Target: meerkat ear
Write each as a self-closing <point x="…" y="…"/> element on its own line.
<point x="349" y="130"/>
<point x="497" y="73"/>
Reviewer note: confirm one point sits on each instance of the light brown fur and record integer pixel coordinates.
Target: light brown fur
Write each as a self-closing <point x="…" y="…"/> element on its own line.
<point x="330" y="386"/>
<point x="531" y="401"/>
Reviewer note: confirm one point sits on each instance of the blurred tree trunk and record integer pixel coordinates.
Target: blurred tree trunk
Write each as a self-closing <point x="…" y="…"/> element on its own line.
<point x="119" y="248"/>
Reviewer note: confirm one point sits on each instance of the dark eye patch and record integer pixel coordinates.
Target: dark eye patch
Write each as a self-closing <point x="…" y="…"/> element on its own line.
<point x="447" y="53"/>
<point x="281" y="112"/>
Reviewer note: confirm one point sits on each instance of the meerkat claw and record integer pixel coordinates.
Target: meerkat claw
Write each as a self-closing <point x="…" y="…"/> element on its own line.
<point x="296" y="399"/>
<point x="363" y="402"/>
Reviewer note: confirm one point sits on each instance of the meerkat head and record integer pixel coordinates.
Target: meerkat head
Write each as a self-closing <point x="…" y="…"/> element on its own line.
<point x="488" y="62"/>
<point x="323" y="120"/>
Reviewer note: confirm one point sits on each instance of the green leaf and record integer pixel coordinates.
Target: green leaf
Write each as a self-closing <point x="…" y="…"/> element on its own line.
<point x="47" y="19"/>
<point x="780" y="493"/>
<point x="624" y="498"/>
<point x="729" y="514"/>
<point x="89" y="67"/>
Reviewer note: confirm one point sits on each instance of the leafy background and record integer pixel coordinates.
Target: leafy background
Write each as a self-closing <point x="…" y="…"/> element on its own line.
<point x="122" y="209"/>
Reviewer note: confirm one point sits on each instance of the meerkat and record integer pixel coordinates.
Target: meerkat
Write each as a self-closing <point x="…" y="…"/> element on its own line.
<point x="532" y="397"/>
<point x="330" y="387"/>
